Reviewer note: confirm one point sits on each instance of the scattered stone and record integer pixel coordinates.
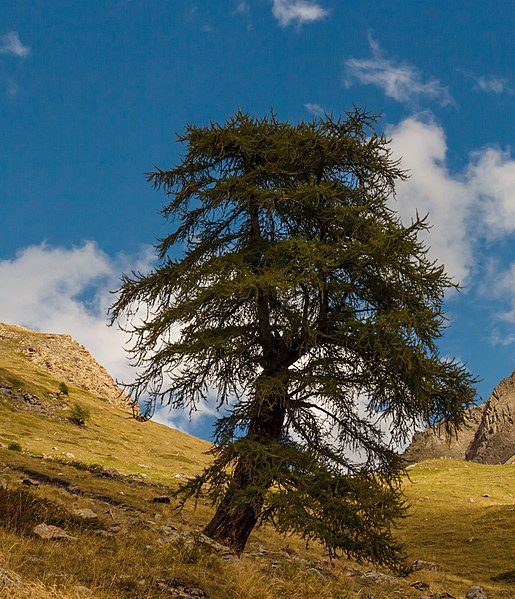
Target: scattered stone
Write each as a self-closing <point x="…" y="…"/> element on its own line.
<point x="112" y="472"/>
<point x="161" y="499"/>
<point x="444" y="595"/>
<point x="85" y="513"/>
<point x="49" y="532"/>
<point x="81" y="589"/>
<point x="421" y="564"/>
<point x="471" y="500"/>
<point x="475" y="592"/>
<point x="30" y="482"/>
<point x="419" y="585"/>
<point x="74" y="490"/>
<point x="70" y="456"/>
<point x="168" y="531"/>
<point x="3" y="484"/>
<point x="380" y="578"/>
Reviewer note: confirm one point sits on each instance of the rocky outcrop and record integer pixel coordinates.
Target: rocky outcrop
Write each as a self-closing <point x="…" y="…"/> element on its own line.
<point x="488" y="435"/>
<point x="65" y="359"/>
<point x="434" y="442"/>
<point x="494" y="441"/>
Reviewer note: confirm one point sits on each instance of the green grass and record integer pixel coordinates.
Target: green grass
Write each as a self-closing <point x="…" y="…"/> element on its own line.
<point x="462" y="516"/>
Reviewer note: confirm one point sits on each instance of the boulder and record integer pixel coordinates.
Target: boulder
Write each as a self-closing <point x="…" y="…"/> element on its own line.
<point x="475" y="592"/>
<point x="49" y="532"/>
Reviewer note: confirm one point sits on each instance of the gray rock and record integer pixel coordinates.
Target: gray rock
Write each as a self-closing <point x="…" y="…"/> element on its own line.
<point x="49" y="532"/>
<point x="85" y="513"/>
<point x="476" y="592"/>
<point x="421" y="564"/>
<point x="380" y="578"/>
<point x="112" y="472"/>
<point x="30" y="482"/>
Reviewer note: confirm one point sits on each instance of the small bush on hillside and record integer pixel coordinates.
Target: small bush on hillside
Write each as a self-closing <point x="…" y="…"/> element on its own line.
<point x="14" y="446"/>
<point x="63" y="389"/>
<point x="79" y="415"/>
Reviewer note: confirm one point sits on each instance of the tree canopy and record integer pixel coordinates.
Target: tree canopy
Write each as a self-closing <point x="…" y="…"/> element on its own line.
<point x="290" y="292"/>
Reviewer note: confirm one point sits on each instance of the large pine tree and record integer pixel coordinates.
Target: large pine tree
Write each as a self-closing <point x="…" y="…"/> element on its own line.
<point x="290" y="289"/>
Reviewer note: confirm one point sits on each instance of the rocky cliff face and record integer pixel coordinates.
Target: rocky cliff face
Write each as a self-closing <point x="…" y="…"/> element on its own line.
<point x="488" y="436"/>
<point x="494" y="441"/>
<point x="65" y="359"/>
<point x="435" y="443"/>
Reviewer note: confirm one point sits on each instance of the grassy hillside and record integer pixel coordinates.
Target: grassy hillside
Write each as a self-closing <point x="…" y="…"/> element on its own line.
<point x="462" y="515"/>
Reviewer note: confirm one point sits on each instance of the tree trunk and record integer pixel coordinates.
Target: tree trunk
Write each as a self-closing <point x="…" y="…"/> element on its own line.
<point x="239" y="510"/>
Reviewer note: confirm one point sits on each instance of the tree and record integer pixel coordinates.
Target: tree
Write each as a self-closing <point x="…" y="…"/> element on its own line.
<point x="290" y="289"/>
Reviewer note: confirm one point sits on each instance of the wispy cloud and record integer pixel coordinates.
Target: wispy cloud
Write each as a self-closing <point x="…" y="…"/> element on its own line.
<point x="10" y="44"/>
<point x="315" y="109"/>
<point x="492" y="85"/>
<point x="11" y="88"/>
<point x="288" y="12"/>
<point x="399" y="80"/>
<point x="242" y="8"/>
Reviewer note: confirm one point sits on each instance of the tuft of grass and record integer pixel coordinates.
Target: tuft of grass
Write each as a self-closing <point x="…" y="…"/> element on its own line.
<point x="21" y="509"/>
<point x="14" y="446"/>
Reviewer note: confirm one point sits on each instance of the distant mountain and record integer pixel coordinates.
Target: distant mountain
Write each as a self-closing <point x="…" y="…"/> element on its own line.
<point x="488" y="436"/>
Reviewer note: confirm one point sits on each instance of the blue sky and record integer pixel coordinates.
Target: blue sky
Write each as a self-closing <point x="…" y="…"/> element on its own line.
<point x="92" y="93"/>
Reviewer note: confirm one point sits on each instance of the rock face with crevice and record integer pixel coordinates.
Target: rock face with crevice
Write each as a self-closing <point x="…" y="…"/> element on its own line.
<point x="494" y="441"/>
<point x="488" y="436"/>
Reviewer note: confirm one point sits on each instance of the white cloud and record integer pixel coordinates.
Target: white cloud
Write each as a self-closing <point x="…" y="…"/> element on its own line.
<point x="492" y="174"/>
<point x="399" y="80"/>
<point x="60" y="290"/>
<point x="476" y="204"/>
<point x="494" y="85"/>
<point x="432" y="189"/>
<point x="315" y="109"/>
<point x="297" y="11"/>
<point x="66" y="291"/>
<point x="10" y="44"/>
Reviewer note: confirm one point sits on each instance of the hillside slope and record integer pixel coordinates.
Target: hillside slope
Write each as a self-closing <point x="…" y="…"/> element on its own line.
<point x="138" y="546"/>
<point x="35" y="415"/>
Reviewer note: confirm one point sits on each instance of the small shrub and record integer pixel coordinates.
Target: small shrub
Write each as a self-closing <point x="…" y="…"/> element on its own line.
<point x="63" y="389"/>
<point x="79" y="415"/>
<point x="14" y="446"/>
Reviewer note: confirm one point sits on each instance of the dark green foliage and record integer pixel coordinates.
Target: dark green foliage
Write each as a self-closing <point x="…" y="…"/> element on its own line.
<point x="310" y="311"/>
<point x="14" y="446"/>
<point x="63" y="389"/>
<point x="79" y="414"/>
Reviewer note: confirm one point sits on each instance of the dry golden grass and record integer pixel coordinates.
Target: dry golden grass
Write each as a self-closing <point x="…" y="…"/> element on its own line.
<point x="473" y="541"/>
